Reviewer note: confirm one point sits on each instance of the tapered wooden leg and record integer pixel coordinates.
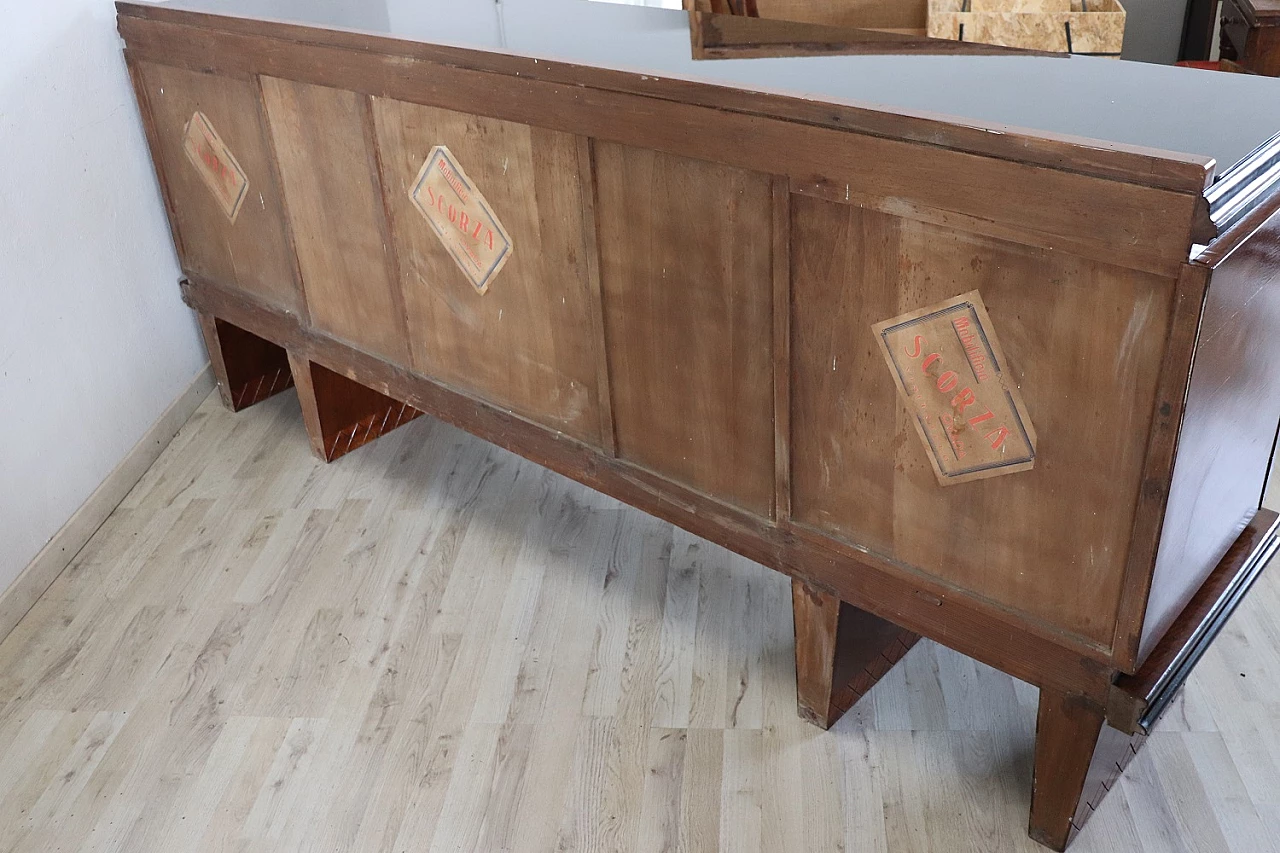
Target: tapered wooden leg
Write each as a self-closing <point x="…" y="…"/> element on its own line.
<point x="340" y="413"/>
<point x="1078" y="760"/>
<point x="841" y="652"/>
<point x="248" y="368"/>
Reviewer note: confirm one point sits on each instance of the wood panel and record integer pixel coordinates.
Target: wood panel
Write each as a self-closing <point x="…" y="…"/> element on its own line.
<point x="687" y="278"/>
<point x="1120" y="221"/>
<point x="1084" y="341"/>
<point x="229" y="43"/>
<point x="330" y="176"/>
<point x="528" y="342"/>
<point x="252" y="253"/>
<point x="1228" y="432"/>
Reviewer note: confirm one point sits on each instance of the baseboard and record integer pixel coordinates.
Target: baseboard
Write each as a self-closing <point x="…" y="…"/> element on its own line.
<point x="44" y="569"/>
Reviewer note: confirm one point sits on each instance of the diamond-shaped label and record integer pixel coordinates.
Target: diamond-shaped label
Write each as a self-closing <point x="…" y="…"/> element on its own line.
<point x="215" y="164"/>
<point x="955" y="380"/>
<point x="461" y="218"/>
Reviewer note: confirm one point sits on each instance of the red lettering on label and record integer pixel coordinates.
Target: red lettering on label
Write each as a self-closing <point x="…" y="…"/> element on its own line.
<point x="928" y="360"/>
<point x="985" y="416"/>
<point x="918" y="343"/>
<point x="948" y="381"/>
<point x="997" y="437"/>
<point x="963" y="400"/>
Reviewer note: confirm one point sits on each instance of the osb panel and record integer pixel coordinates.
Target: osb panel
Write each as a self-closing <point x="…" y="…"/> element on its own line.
<point x="327" y="165"/>
<point x="686" y="256"/>
<point x="1083" y="342"/>
<point x="250" y="253"/>
<point x="528" y="342"/>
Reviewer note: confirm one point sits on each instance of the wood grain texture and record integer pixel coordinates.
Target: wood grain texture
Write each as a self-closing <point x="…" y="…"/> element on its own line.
<point x="342" y="415"/>
<point x="330" y="177"/>
<point x="528" y="342"/>
<point x="913" y="600"/>
<point x="479" y="597"/>
<point x="729" y="36"/>
<point x="247" y="368"/>
<point x="1067" y="730"/>
<point x="1050" y="543"/>
<point x="686" y="270"/>
<point x="252" y="253"/>
<point x="1120" y="222"/>
<point x="1228" y="431"/>
<point x="841" y="653"/>
<point x="153" y="28"/>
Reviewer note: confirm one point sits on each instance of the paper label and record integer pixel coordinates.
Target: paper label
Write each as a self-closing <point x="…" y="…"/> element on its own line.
<point x="952" y="374"/>
<point x="215" y="163"/>
<point x="461" y="218"/>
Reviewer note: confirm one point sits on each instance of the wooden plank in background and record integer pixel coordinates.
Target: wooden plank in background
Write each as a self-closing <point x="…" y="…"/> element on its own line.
<point x="687" y="271"/>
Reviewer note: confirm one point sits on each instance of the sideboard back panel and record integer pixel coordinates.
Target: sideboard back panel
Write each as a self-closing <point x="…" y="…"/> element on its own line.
<point x="252" y="252"/>
<point x="1082" y="339"/>
<point x="324" y="143"/>
<point x="686" y="271"/>
<point x="529" y="342"/>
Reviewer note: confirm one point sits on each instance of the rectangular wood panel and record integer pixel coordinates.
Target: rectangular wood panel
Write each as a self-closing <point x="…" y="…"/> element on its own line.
<point x="252" y="252"/>
<point x="528" y="342"/>
<point x="1083" y="342"/>
<point x="324" y="145"/>
<point x="686" y="271"/>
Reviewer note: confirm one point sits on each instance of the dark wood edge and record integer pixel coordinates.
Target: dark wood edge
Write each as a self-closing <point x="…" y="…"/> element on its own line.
<point x="1138" y="700"/>
<point x="721" y="36"/>
<point x="781" y="233"/>
<point x="153" y="143"/>
<point x="1157" y="468"/>
<point x="863" y="579"/>
<point x="1151" y="167"/>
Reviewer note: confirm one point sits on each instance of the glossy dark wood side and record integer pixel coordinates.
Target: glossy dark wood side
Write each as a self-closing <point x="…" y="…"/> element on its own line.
<point x="841" y="652"/>
<point x="249" y="369"/>
<point x="342" y="415"/>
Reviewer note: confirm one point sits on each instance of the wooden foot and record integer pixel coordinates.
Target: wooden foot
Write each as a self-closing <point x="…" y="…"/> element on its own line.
<point x="1077" y="762"/>
<point x="340" y="413"/>
<point x="841" y="652"/>
<point x="248" y="368"/>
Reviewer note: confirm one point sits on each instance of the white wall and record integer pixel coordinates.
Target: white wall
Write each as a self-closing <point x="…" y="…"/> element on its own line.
<point x="94" y="341"/>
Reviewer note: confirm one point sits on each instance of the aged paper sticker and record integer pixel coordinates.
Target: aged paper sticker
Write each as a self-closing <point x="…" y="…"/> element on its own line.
<point x="461" y="218"/>
<point x="952" y="374"/>
<point x="216" y="164"/>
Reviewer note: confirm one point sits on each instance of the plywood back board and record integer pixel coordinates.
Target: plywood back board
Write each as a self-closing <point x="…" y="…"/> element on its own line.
<point x="251" y="251"/>
<point x="529" y="341"/>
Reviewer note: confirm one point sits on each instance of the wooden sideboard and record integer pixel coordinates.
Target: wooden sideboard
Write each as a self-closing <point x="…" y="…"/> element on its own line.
<point x="1009" y="390"/>
<point x="1251" y="35"/>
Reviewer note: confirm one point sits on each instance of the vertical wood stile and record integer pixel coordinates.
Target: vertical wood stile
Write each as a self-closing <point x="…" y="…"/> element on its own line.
<point x="591" y="245"/>
<point x="782" y="348"/>
<point x="1162" y="446"/>
<point x="385" y="221"/>
<point x="273" y="161"/>
<point x="149" y="130"/>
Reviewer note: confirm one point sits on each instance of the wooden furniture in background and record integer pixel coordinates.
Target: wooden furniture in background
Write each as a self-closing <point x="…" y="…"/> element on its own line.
<point x="1251" y="35"/>
<point x="727" y="29"/>
<point x="685" y="323"/>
